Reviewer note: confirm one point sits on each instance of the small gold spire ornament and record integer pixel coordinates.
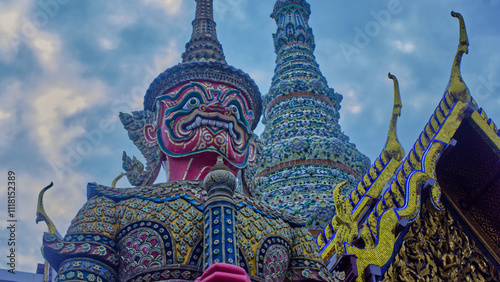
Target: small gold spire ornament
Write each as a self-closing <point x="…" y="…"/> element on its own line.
<point x="456" y="86"/>
<point x="392" y="146"/>
<point x="41" y="215"/>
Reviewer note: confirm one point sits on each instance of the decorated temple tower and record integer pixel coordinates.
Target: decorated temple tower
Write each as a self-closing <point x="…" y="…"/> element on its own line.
<point x="304" y="153"/>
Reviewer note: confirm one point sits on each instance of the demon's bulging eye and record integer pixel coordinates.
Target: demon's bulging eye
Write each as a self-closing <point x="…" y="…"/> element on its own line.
<point x="234" y="109"/>
<point x="191" y="103"/>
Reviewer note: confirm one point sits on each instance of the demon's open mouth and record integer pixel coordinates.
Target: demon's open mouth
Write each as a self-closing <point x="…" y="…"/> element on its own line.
<point x="214" y="122"/>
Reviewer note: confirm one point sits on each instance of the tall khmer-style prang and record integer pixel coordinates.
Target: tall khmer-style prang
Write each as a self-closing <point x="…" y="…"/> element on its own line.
<point x="304" y="152"/>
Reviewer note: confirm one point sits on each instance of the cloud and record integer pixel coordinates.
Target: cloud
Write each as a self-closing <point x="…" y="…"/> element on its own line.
<point x="9" y="19"/>
<point x="47" y="46"/>
<point x="108" y="44"/>
<point x="120" y="16"/>
<point x="170" y="7"/>
<point x="167" y="56"/>
<point x="9" y="113"/>
<point x="233" y="8"/>
<point x="51" y="108"/>
<point x="57" y="103"/>
<point x="10" y="27"/>
<point x="4" y="115"/>
<point x="406" y="47"/>
<point x="351" y="102"/>
<point x="261" y="78"/>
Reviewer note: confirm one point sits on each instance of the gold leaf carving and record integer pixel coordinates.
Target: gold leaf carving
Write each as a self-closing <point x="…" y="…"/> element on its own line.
<point x="436" y="249"/>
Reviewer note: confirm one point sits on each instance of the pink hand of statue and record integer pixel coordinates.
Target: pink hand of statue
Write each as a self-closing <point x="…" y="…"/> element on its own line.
<point x="221" y="272"/>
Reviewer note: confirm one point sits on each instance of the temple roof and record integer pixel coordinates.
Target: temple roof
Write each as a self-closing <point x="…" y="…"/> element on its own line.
<point x="457" y="155"/>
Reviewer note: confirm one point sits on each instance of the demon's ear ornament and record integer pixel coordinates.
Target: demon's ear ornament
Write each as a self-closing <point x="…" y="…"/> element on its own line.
<point x="252" y="150"/>
<point x="250" y="170"/>
<point x="141" y="130"/>
<point x="149" y="132"/>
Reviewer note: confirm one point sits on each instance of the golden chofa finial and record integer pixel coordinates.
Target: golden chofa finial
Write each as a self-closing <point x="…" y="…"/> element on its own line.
<point x="113" y="184"/>
<point x="392" y="146"/>
<point x="41" y="215"/>
<point x="456" y="86"/>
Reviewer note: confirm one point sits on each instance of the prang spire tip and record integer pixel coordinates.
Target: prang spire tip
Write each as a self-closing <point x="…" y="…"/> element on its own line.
<point x="204" y="45"/>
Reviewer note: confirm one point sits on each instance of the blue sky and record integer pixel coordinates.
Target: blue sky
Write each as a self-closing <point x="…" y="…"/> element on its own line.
<point x="68" y="67"/>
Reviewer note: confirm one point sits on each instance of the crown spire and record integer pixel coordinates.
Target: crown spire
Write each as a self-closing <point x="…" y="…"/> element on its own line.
<point x="204" y="45"/>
